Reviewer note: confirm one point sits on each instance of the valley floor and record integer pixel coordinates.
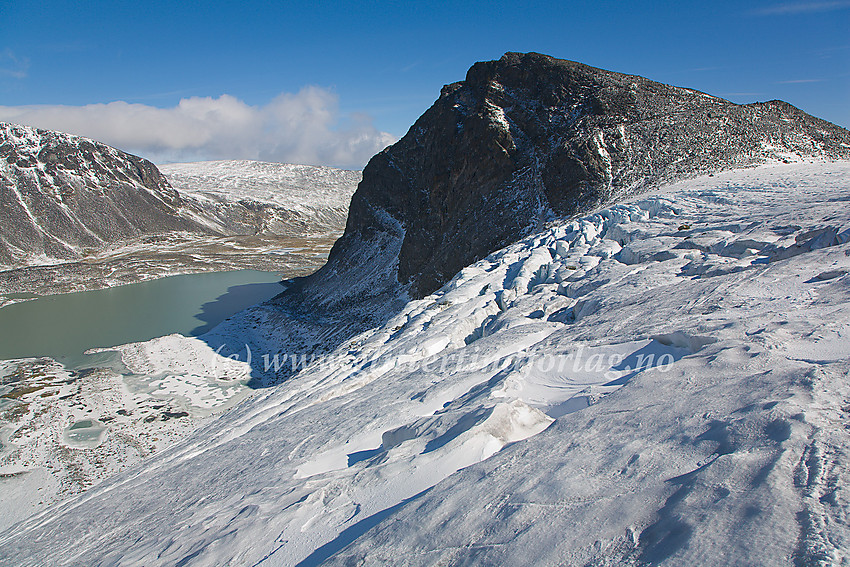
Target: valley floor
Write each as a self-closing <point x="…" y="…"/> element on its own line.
<point x="168" y="255"/>
<point x="662" y="381"/>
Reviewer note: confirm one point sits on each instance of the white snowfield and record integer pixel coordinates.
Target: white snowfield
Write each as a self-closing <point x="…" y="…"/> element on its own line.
<point x="320" y="194"/>
<point x="294" y="186"/>
<point x="663" y="381"/>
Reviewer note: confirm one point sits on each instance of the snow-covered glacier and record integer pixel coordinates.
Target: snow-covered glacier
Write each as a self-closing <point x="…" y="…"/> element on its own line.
<point x="660" y="381"/>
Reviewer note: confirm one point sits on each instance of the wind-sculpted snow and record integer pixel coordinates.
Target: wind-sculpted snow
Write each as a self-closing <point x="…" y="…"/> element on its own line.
<point x="663" y="380"/>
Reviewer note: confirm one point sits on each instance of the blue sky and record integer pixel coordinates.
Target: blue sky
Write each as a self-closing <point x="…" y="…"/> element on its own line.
<point x="331" y="82"/>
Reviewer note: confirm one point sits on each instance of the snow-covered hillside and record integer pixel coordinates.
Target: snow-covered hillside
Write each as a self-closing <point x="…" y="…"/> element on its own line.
<point x="664" y="380"/>
<point x="252" y="197"/>
<point x="63" y="197"/>
<point x="301" y="187"/>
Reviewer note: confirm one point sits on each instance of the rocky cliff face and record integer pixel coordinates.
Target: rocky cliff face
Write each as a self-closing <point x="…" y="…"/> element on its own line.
<point x="61" y="195"/>
<point x="529" y="137"/>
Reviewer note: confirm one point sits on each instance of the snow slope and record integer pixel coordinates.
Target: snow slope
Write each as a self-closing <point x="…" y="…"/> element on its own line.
<point x="661" y="381"/>
<point x="274" y="198"/>
<point x="302" y="187"/>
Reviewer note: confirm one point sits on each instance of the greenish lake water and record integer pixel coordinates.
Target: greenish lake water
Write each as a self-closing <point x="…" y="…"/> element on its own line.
<point x="64" y="326"/>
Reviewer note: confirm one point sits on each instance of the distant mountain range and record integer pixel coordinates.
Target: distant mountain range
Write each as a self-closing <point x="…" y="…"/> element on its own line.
<point x="252" y="197"/>
<point x="63" y="197"/>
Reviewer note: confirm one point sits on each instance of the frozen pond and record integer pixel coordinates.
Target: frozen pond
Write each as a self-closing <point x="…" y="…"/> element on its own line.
<point x="64" y="326"/>
<point x="84" y="434"/>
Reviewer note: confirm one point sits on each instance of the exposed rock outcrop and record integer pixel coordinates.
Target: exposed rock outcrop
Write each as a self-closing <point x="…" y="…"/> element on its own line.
<point x="529" y="137"/>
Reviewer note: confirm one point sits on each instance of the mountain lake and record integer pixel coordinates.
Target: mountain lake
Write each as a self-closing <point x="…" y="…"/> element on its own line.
<point x="64" y="326"/>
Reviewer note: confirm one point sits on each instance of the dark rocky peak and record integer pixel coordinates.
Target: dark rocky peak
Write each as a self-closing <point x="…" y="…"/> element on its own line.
<point x="529" y="137"/>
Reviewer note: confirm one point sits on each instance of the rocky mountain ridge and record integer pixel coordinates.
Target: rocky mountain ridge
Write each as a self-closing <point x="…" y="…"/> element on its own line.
<point x="63" y="194"/>
<point x="530" y="137"/>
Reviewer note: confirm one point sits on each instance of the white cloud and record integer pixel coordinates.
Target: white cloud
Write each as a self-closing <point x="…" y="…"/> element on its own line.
<point x="801" y="8"/>
<point x="799" y="81"/>
<point x="305" y="127"/>
<point x="12" y="65"/>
